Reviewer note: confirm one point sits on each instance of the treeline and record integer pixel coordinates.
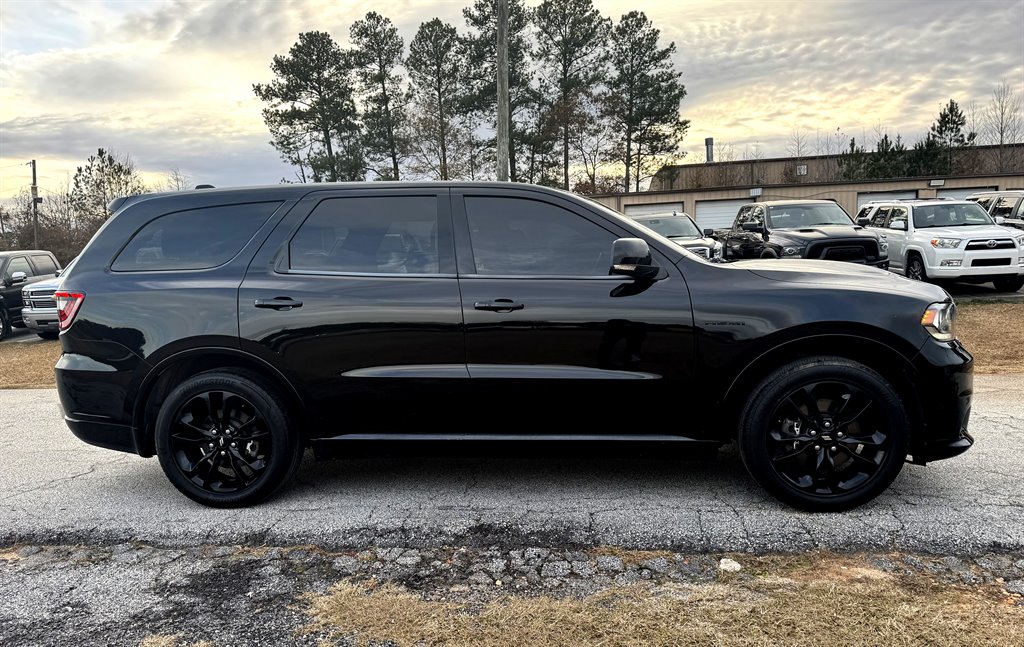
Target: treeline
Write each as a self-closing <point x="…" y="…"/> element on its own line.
<point x="594" y="104"/>
<point x="67" y="218"/>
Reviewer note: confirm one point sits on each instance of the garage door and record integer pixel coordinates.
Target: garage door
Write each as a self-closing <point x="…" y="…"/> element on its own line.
<point x="864" y="198"/>
<point x="960" y="194"/>
<point x="634" y="210"/>
<point x="718" y="214"/>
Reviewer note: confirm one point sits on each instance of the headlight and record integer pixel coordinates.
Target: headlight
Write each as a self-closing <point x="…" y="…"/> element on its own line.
<point x="939" y="319"/>
<point x="883" y="248"/>
<point x="792" y="251"/>
<point x="945" y="243"/>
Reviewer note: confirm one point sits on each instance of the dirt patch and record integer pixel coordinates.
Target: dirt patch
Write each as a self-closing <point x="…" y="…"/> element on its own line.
<point x="994" y="334"/>
<point x="28" y="365"/>
<point x="788" y="600"/>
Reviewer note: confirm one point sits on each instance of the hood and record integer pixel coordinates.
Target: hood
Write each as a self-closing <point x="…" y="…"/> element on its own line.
<point x="836" y="273"/>
<point x="809" y="234"/>
<point x="688" y="241"/>
<point x="48" y="284"/>
<point x="971" y="232"/>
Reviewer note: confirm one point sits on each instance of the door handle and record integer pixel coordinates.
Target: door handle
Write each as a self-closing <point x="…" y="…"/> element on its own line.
<point x="278" y="303"/>
<point x="498" y="305"/>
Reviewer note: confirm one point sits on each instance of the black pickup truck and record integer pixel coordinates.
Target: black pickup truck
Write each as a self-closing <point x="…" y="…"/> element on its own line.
<point x="818" y="229"/>
<point x="17" y="270"/>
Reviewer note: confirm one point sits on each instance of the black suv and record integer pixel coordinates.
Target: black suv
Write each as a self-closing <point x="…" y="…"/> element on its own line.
<point x="17" y="270"/>
<point x="818" y="229"/>
<point x="225" y="330"/>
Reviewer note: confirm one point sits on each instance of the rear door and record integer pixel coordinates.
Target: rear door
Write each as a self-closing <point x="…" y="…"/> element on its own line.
<point x="355" y="297"/>
<point x="554" y="344"/>
<point x="897" y="238"/>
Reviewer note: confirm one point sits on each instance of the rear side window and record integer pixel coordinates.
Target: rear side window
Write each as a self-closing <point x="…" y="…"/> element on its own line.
<point x="878" y="220"/>
<point x="44" y="264"/>
<point x="196" y="239"/>
<point x="372" y="235"/>
<point x="1004" y="207"/>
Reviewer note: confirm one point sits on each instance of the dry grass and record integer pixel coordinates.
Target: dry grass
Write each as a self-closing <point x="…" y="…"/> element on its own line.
<point x="821" y="601"/>
<point x="994" y="333"/>
<point x="28" y="365"/>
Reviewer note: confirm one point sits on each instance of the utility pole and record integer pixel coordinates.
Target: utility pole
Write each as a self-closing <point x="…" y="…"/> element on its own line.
<point x="503" y="107"/>
<point x="35" y="207"/>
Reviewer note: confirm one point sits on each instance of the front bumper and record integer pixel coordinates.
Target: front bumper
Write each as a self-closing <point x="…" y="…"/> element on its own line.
<point x="945" y="385"/>
<point x="973" y="263"/>
<point x="40" y="320"/>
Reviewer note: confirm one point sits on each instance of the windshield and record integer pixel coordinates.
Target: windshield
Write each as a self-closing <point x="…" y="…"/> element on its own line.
<point x="950" y="215"/>
<point x="672" y="226"/>
<point x="796" y="216"/>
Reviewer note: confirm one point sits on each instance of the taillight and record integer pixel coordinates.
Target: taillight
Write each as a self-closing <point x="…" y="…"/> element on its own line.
<point x="68" y="304"/>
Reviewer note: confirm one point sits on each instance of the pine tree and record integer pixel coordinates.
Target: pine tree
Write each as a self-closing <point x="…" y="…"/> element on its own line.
<point x="948" y="132"/>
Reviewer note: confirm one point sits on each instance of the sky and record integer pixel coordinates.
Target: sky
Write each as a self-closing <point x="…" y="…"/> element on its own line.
<point x="169" y="82"/>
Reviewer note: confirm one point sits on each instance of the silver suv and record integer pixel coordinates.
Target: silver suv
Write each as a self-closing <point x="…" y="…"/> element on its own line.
<point x="1005" y="205"/>
<point x="948" y="239"/>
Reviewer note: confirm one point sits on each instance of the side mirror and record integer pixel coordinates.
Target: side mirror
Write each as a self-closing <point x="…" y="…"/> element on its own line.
<point x="753" y="226"/>
<point x="900" y="225"/>
<point x="632" y="257"/>
<point x="864" y="221"/>
<point x="999" y="220"/>
<point x="709" y="233"/>
<point x="18" y="277"/>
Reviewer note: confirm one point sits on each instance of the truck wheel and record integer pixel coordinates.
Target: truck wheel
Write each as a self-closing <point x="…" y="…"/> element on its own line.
<point x="1009" y="283"/>
<point x="769" y="254"/>
<point x="915" y="268"/>
<point x="824" y="434"/>
<point x="225" y="440"/>
<point x="5" y="325"/>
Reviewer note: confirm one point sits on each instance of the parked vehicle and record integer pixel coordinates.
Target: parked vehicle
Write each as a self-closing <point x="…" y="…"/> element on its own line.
<point x="17" y="270"/>
<point x="683" y="231"/>
<point x="1008" y="205"/>
<point x="224" y="330"/>
<point x="817" y="229"/>
<point x="953" y="240"/>
<point x="39" y="309"/>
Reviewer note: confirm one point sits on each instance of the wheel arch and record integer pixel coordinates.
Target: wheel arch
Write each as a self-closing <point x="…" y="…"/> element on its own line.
<point x="880" y="356"/>
<point x="172" y="370"/>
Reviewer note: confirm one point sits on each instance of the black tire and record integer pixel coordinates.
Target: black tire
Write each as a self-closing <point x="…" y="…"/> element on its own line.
<point x="1009" y="283"/>
<point x="915" y="268"/>
<point x="769" y="254"/>
<point x="48" y="335"/>
<point x="201" y="424"/>
<point x="5" y="325"/>
<point x="807" y="416"/>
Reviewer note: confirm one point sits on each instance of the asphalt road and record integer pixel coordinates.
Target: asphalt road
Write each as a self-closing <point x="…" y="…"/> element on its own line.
<point x="53" y="488"/>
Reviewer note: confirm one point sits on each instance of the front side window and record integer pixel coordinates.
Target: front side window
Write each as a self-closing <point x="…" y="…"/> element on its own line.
<point x="757" y="215"/>
<point x="897" y="213"/>
<point x="196" y="239"/>
<point x="1004" y="207"/>
<point x="950" y="215"/>
<point x="878" y="220"/>
<point x="18" y="264"/>
<point x="742" y="217"/>
<point x="519" y="236"/>
<point x="372" y="234"/>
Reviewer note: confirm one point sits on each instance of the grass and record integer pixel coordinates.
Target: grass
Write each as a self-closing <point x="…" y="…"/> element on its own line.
<point x="993" y="332"/>
<point x="812" y="601"/>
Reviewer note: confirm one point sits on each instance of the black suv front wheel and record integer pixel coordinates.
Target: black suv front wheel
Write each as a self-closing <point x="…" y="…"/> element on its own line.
<point x="824" y="434"/>
<point x="225" y="440"/>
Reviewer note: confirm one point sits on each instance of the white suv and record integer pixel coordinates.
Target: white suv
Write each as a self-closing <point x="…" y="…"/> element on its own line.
<point x="948" y="239"/>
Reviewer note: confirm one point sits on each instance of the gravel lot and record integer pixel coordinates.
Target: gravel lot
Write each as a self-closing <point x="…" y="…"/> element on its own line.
<point x="53" y="488"/>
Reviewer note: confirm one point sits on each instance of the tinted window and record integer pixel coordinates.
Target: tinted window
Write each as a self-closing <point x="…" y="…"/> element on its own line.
<point x="878" y="220"/>
<point x="18" y="264"/>
<point x="521" y="236"/>
<point x="741" y="217"/>
<point x="195" y="239"/>
<point x="1004" y="207"/>
<point x="757" y="215"/>
<point x="807" y="215"/>
<point x="44" y="264"/>
<point x="380" y="235"/>
<point x="671" y="226"/>
<point x="950" y="215"/>
<point x="985" y="202"/>
<point x="864" y="211"/>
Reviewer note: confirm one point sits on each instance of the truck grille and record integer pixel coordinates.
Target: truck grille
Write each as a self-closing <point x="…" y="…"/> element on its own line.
<point x="1000" y="243"/>
<point x="41" y="299"/>
<point x="699" y="251"/>
<point x="851" y="251"/>
<point x="989" y="262"/>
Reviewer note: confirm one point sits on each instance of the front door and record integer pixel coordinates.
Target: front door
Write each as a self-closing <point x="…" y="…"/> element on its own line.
<point x="897" y="238"/>
<point x="355" y="297"/>
<point x="554" y="344"/>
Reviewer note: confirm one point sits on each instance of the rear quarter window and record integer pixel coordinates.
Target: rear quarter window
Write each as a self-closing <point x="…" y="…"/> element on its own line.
<point x="195" y="239"/>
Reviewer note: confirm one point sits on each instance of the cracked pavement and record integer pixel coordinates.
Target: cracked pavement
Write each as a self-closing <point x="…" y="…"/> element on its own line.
<point x="56" y="489"/>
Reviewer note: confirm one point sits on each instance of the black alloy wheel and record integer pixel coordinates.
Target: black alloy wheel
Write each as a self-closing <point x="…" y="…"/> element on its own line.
<point x="915" y="269"/>
<point x="824" y="433"/>
<point x="224" y="439"/>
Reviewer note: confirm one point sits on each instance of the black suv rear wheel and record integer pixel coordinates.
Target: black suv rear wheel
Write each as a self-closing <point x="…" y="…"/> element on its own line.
<point x="824" y="434"/>
<point x="225" y="440"/>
